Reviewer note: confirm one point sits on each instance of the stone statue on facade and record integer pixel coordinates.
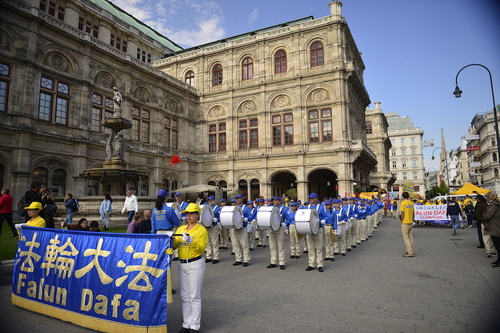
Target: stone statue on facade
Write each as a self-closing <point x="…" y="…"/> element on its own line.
<point x="117" y="103"/>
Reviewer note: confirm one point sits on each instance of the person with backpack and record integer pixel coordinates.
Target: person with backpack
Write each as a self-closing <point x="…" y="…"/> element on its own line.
<point x="469" y="212"/>
<point x="71" y="208"/>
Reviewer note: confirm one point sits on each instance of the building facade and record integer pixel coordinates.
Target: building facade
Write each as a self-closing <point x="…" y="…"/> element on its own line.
<point x="406" y="156"/>
<point x="260" y="113"/>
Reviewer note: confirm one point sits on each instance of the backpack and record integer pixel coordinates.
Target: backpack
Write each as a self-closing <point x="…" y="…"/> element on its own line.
<point x="76" y="205"/>
<point x="20" y="206"/>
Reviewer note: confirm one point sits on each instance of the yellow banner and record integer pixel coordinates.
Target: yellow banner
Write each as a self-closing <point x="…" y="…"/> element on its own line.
<point x="368" y="195"/>
<point x="408" y="187"/>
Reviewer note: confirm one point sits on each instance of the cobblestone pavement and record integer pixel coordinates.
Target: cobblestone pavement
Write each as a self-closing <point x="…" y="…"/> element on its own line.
<point x="449" y="286"/>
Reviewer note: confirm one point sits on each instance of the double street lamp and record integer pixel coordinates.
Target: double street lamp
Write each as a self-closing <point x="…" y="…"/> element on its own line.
<point x="446" y="161"/>
<point x="458" y="93"/>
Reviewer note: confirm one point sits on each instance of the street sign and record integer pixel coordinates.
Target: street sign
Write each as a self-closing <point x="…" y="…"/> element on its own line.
<point x="471" y="148"/>
<point x="472" y="137"/>
<point x="428" y="143"/>
<point x="474" y="164"/>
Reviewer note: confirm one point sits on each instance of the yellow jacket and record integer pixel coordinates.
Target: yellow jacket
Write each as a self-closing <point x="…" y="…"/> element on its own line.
<point x="197" y="247"/>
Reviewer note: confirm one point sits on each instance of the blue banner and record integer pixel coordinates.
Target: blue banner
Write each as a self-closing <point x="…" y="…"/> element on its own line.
<point x="93" y="279"/>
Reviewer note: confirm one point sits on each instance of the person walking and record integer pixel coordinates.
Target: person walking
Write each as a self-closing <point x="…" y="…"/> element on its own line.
<point x="479" y="210"/>
<point x="71" y="208"/>
<point x="407" y="218"/>
<point x="491" y="220"/>
<point x="130" y="206"/>
<point x="6" y="211"/>
<point x="105" y="210"/>
<point x="454" y="211"/>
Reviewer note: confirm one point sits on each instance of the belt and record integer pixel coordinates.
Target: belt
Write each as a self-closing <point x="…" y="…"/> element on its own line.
<point x="164" y="229"/>
<point x="186" y="261"/>
<point x="329" y="224"/>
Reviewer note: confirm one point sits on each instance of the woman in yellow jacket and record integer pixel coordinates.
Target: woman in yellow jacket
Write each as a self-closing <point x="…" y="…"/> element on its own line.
<point x="35" y="220"/>
<point x="191" y="246"/>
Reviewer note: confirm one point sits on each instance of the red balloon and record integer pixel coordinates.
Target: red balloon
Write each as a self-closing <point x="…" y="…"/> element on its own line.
<point x="174" y="160"/>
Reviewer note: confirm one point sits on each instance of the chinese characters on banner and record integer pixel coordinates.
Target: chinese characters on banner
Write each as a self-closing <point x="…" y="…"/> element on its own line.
<point x="430" y="212"/>
<point x="103" y="281"/>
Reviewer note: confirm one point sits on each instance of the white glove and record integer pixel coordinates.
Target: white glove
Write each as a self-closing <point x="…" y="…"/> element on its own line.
<point x="283" y="224"/>
<point x="216" y="220"/>
<point x="186" y="238"/>
<point x="19" y="225"/>
<point x="323" y="222"/>
<point x="245" y="219"/>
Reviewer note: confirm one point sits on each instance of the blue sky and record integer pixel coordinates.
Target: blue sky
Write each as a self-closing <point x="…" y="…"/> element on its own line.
<point x="412" y="49"/>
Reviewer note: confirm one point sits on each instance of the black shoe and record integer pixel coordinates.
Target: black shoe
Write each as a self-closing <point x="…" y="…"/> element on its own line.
<point x="309" y="268"/>
<point x="291" y="257"/>
<point x="335" y="253"/>
<point x="251" y="249"/>
<point x="354" y="246"/>
<point x="297" y="257"/>
<point x="282" y="267"/>
<point x="245" y="264"/>
<point x="343" y="254"/>
<point x="174" y="291"/>
<point x="495" y="262"/>
<point x="264" y="245"/>
<point x="327" y="259"/>
<point x="271" y="266"/>
<point x="215" y="261"/>
<point x="320" y="269"/>
<point x="237" y="263"/>
<point x="304" y="251"/>
<point x="333" y="259"/>
<point x="496" y="265"/>
<point x="194" y="331"/>
<point x="221" y="247"/>
<point x="488" y="255"/>
<point x="208" y="260"/>
<point x="259" y="245"/>
<point x="176" y="258"/>
<point x="105" y="228"/>
<point x="480" y="247"/>
<point x="185" y="330"/>
<point x="232" y="253"/>
<point x="225" y="247"/>
<point x="348" y="250"/>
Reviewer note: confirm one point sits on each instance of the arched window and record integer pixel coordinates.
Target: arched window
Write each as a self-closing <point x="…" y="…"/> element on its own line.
<point x="369" y="127"/>
<point x="59" y="182"/>
<point x="243" y="188"/>
<point x="280" y="62"/>
<point x="317" y="57"/>
<point x="247" y="69"/>
<point x="496" y="173"/>
<point x="189" y="78"/>
<point x="40" y="175"/>
<point x="166" y="184"/>
<point x="217" y="75"/>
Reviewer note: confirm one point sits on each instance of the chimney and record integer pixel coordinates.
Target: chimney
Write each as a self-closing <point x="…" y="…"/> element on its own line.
<point x="335" y="9"/>
<point x="377" y="105"/>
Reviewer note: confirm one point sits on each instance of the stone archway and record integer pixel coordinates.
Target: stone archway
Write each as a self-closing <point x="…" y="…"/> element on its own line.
<point x="282" y="182"/>
<point x="324" y="183"/>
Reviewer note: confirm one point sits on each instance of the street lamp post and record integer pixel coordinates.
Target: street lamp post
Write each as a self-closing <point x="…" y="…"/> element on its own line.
<point x="458" y="94"/>
<point x="446" y="161"/>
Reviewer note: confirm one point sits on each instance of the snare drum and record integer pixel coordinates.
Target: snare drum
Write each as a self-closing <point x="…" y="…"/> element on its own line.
<point x="206" y="216"/>
<point x="307" y="221"/>
<point x="231" y="217"/>
<point x="268" y="218"/>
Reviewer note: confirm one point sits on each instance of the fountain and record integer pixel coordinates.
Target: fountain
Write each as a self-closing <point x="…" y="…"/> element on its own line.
<point x="113" y="175"/>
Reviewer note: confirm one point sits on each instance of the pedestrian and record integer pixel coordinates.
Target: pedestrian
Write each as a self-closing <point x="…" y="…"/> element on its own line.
<point x="407" y="218"/>
<point x="130" y="206"/>
<point x="6" y="211"/>
<point x="469" y="212"/>
<point x="191" y="246"/>
<point x="105" y="210"/>
<point x="454" y="211"/>
<point x="491" y="220"/>
<point x="49" y="208"/>
<point x="480" y="209"/>
<point x="71" y="208"/>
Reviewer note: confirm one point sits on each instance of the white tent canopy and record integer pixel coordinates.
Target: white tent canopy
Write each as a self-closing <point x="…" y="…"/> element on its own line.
<point x="199" y="188"/>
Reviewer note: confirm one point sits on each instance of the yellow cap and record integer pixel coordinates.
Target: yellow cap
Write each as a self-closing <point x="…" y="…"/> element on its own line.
<point x="34" y="205"/>
<point x="192" y="208"/>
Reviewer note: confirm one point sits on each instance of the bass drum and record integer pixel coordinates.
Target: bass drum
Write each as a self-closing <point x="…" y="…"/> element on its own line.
<point x="176" y="208"/>
<point x="206" y="216"/>
<point x="268" y="218"/>
<point x="307" y="221"/>
<point x="231" y="217"/>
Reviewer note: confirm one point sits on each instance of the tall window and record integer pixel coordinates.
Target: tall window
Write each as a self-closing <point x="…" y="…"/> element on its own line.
<point x="248" y="136"/>
<point x="118" y="42"/>
<point x="247" y="69"/>
<point x="189" y="79"/>
<point x="217" y="75"/>
<point x="171" y="133"/>
<point x="88" y="27"/>
<point x="280" y="62"/>
<point x="414" y="151"/>
<point x="317" y="58"/>
<point x="405" y="175"/>
<point x="4" y="85"/>
<point x="414" y="163"/>
<point x="216" y="137"/>
<point x="54" y="101"/>
<point x="320" y="125"/>
<point x="41" y="175"/>
<point x="102" y="106"/>
<point x="369" y="127"/>
<point x="415" y="175"/>
<point x="143" y="56"/>
<point x="140" y="124"/>
<point x="404" y="164"/>
<point x="403" y="151"/>
<point x="394" y="164"/>
<point x="52" y="8"/>
<point x="282" y="129"/>
<point x="393" y="152"/>
<point x="59" y="182"/>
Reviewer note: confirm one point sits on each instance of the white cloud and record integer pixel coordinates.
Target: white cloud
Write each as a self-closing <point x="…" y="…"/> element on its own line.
<point x="253" y="16"/>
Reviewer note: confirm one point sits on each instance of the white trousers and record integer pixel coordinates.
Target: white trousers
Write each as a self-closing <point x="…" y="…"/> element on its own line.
<point x="315" y="249"/>
<point x="277" y="246"/>
<point x="295" y="246"/>
<point x="212" y="248"/>
<point x="190" y="281"/>
<point x="239" y="242"/>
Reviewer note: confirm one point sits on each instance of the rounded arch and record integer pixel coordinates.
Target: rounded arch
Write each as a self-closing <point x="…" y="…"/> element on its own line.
<point x="273" y="50"/>
<point x="59" y="59"/>
<point x="247" y="104"/>
<point x="105" y="78"/>
<point x="313" y="39"/>
<point x="323" y="181"/>
<point x="51" y="162"/>
<point x="143" y="93"/>
<point x="282" y="181"/>
<point x="215" y="110"/>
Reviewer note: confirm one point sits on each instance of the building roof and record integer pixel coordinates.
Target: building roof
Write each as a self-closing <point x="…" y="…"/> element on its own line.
<point x="247" y="34"/>
<point x="142" y="27"/>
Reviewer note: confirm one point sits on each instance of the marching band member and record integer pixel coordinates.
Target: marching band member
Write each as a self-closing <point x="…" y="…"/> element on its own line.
<point x="345" y="238"/>
<point x="370" y="217"/>
<point x="251" y="226"/>
<point x="277" y="238"/>
<point x="182" y="205"/>
<point x="191" y="246"/>
<point x="353" y="223"/>
<point x="291" y="230"/>
<point x="239" y="238"/>
<point x="330" y="225"/>
<point x="163" y="218"/>
<point x="223" y="233"/>
<point x="361" y="216"/>
<point x="261" y="233"/>
<point x="315" y="242"/>
<point x="212" y="249"/>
